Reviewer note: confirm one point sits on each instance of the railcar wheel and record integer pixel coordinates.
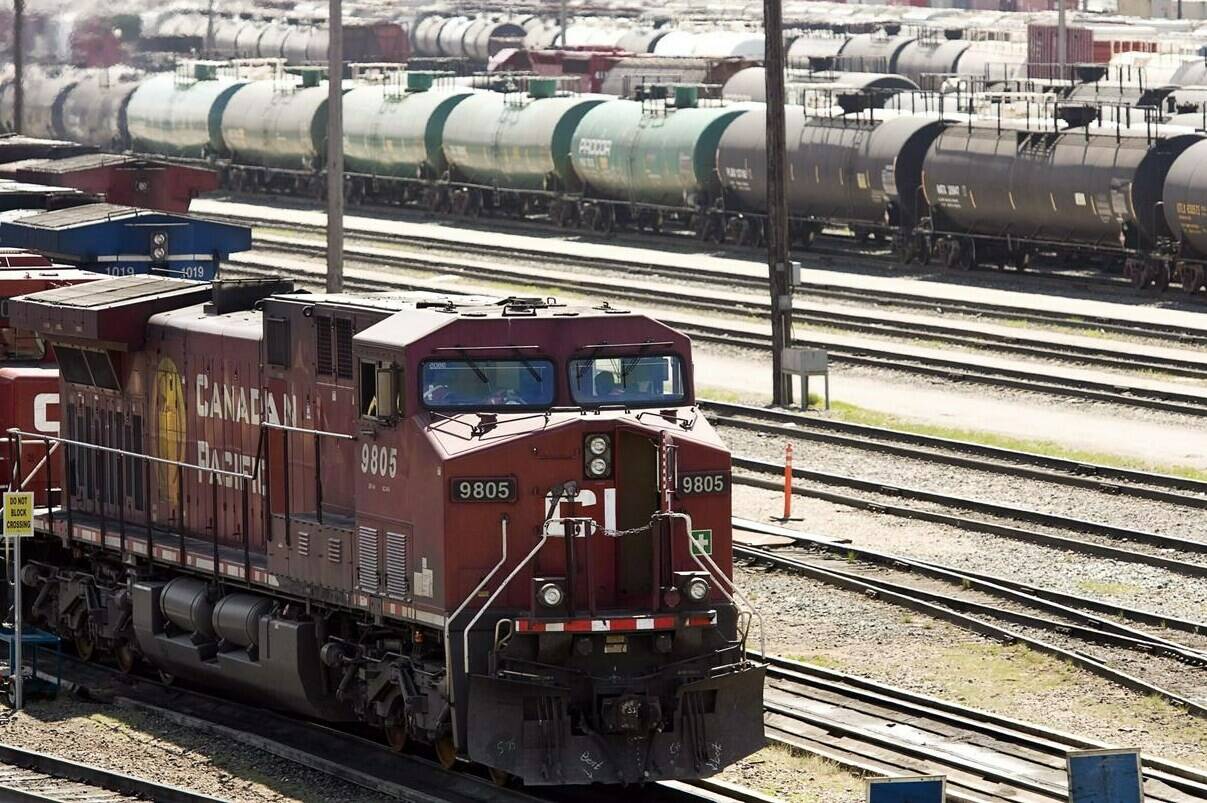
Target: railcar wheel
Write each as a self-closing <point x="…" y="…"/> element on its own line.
<point x="968" y="256"/>
<point x="127" y="658"/>
<point x="1192" y="278"/>
<point x="396" y="736"/>
<point x="446" y="752"/>
<point x="499" y="777"/>
<point x="1163" y="271"/>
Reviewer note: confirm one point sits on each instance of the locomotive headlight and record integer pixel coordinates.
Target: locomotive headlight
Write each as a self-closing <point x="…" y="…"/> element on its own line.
<point x="597" y="452"/>
<point x="159" y="238"/>
<point x="697" y="589"/>
<point x="550" y="595"/>
<point x="159" y="254"/>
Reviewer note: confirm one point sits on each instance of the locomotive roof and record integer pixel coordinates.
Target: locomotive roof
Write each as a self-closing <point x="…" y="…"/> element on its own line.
<point x="72" y="164"/>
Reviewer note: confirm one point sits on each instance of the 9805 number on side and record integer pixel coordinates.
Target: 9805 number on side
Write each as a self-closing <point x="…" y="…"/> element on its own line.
<point x="484" y="489"/>
<point x="706" y="482"/>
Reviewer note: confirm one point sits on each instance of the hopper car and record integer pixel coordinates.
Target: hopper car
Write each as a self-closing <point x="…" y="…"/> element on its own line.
<point x="947" y="186"/>
<point x="497" y="527"/>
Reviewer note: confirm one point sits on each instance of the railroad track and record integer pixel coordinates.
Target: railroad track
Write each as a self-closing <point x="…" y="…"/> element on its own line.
<point x="1103" y="540"/>
<point x="353" y="758"/>
<point x="877" y="729"/>
<point x="979" y="604"/>
<point x="587" y="280"/>
<point x="27" y="776"/>
<point x="883" y="358"/>
<point x="1112" y="480"/>
<point x="836" y="249"/>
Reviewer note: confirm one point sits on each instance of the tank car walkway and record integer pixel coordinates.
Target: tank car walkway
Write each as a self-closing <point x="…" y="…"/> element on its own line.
<point x="554" y="246"/>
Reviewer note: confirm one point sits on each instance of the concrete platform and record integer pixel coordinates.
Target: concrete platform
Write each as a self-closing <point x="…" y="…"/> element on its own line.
<point x="554" y="246"/>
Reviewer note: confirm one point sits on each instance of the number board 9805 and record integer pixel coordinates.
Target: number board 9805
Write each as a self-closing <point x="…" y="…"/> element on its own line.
<point x="705" y="482"/>
<point x="484" y="489"/>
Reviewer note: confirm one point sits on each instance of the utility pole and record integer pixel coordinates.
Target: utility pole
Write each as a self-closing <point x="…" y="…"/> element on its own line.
<point x="562" y="21"/>
<point x="1062" y="40"/>
<point x="335" y="149"/>
<point x="777" y="206"/>
<point x="209" y="31"/>
<point x="19" y="66"/>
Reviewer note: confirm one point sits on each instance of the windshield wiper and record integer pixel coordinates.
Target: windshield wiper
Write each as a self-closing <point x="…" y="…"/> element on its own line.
<point x="474" y="367"/>
<point x="535" y="374"/>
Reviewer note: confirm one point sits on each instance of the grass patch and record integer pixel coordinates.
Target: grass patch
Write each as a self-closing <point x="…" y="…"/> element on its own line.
<point x="1107" y="588"/>
<point x="844" y="411"/>
<point x="981" y="674"/>
<point x="786" y="773"/>
<point x="819" y="659"/>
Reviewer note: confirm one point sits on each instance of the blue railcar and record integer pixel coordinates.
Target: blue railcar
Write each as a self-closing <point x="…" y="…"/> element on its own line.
<point x="125" y="240"/>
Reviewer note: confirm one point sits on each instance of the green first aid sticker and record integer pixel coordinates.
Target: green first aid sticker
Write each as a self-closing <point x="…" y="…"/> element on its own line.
<point x="701" y="542"/>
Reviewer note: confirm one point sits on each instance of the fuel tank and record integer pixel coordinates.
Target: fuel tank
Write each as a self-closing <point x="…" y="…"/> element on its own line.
<point x="172" y="115"/>
<point x="274" y="124"/>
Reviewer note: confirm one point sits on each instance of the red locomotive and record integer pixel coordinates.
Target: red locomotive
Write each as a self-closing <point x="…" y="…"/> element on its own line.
<point x="29" y="381"/>
<point x="498" y="527"/>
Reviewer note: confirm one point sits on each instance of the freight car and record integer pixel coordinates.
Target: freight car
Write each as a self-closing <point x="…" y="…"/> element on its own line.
<point x="392" y="509"/>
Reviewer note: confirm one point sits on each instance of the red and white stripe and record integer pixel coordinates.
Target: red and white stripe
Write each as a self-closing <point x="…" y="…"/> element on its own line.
<point x="622" y="624"/>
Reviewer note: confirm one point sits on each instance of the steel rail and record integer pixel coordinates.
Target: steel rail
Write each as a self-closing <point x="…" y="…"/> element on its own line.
<point x="979" y="505"/>
<point x="1088" y="627"/>
<point x="864" y="323"/>
<point x="940" y="607"/>
<point x="990" y="528"/>
<point x="61" y="769"/>
<point x="815" y="289"/>
<point x="865" y="443"/>
<point x="916" y="707"/>
<point x="1186" y="404"/>
<point x="1076" y="601"/>
<point x="815" y="427"/>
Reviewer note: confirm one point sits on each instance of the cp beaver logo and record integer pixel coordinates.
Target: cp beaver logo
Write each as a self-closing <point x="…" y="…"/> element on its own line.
<point x="170" y="423"/>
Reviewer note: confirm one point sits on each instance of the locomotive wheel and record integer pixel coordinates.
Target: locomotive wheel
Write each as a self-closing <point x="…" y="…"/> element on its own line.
<point x="85" y="644"/>
<point x="396" y="736"/>
<point x="499" y="777"/>
<point x="446" y="752"/>
<point x="127" y="658"/>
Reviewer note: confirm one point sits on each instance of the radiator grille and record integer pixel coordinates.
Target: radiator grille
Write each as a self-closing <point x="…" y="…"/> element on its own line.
<point x="303" y="542"/>
<point x="335" y="550"/>
<point x="366" y="567"/>
<point x="322" y="333"/>
<point x="396" y="565"/>
<point x="343" y="347"/>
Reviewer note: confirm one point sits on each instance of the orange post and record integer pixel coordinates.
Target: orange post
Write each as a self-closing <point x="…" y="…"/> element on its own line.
<point x="787" y="482"/>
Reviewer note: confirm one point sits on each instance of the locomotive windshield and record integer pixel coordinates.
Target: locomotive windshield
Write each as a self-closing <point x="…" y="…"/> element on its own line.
<point x="487" y="384"/>
<point x="628" y="381"/>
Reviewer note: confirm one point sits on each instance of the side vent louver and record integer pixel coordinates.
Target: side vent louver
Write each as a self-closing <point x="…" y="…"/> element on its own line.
<point x="335" y="550"/>
<point x="303" y="542"/>
<point x="397" y="584"/>
<point x="366" y="553"/>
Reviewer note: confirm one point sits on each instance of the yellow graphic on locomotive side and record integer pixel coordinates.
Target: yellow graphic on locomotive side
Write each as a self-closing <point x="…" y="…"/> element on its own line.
<point x="170" y="422"/>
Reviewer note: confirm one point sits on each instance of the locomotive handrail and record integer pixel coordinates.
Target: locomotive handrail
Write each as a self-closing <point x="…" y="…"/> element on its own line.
<point x="545" y="536"/>
<point x="715" y="572"/>
<point x="123" y="452"/>
<point x="34" y="471"/>
<point x="465" y="603"/>
<point x="321" y="432"/>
